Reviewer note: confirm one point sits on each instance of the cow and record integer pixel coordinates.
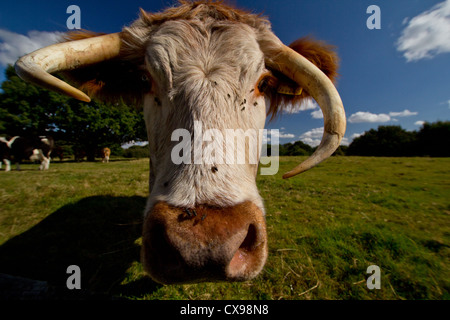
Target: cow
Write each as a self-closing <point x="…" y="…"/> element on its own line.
<point x="27" y="148"/>
<point x="5" y="154"/>
<point x="105" y="153"/>
<point x="199" y="65"/>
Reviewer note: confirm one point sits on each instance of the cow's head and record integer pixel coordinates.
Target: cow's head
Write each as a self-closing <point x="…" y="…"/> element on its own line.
<point x="199" y="66"/>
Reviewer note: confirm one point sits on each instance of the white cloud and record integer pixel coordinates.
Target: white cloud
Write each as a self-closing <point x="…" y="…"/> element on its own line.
<point x="307" y="104"/>
<point x="356" y="135"/>
<point x="317" y="114"/>
<point x="345" y="142"/>
<point x="312" y="137"/>
<point x="286" y="136"/>
<point x="427" y="34"/>
<point x="405" y="113"/>
<point x="419" y="123"/>
<point x="361" y="116"/>
<point x="272" y="134"/>
<point x="14" y="45"/>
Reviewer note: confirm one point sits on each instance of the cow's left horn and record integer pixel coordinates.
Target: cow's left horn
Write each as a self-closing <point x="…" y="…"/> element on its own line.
<point x="36" y="67"/>
<point x="320" y="87"/>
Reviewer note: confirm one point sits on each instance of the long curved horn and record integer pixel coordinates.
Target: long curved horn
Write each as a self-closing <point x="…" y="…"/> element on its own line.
<point x="320" y="87"/>
<point x="36" y="67"/>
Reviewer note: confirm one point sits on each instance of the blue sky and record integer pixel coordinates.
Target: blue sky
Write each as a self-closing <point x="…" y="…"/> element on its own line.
<point x="396" y="75"/>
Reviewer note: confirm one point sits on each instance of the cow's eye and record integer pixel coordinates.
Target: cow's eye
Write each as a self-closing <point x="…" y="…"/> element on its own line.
<point x="146" y="82"/>
<point x="264" y="82"/>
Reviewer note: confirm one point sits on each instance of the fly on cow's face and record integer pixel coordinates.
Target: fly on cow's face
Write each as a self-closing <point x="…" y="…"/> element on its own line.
<point x="190" y="212"/>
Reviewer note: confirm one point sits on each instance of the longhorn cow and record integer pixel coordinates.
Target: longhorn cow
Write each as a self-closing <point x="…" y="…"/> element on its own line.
<point x="5" y="154"/>
<point x="26" y="148"/>
<point x="199" y="64"/>
<point x="105" y="154"/>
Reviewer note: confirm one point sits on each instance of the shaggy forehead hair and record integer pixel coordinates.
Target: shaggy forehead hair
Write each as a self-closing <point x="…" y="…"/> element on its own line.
<point x="209" y="12"/>
<point x="192" y="38"/>
<point x="196" y="59"/>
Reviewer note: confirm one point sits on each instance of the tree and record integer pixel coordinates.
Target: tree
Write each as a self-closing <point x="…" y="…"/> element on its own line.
<point x="433" y="139"/>
<point x="386" y="141"/>
<point x="96" y="125"/>
<point x="297" y="148"/>
<point x="26" y="109"/>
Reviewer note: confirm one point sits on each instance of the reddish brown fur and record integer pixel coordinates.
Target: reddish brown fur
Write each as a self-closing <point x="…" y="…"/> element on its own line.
<point x="189" y="10"/>
<point x="321" y="54"/>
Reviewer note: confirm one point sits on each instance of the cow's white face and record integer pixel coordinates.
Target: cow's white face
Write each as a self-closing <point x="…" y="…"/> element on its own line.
<point x="204" y="80"/>
<point x="207" y="80"/>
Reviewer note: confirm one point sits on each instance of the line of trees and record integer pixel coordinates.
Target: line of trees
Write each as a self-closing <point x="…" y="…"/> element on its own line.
<point x="26" y="109"/>
<point x="432" y="140"/>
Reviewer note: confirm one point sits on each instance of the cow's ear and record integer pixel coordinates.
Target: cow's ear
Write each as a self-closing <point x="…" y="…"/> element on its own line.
<point x="285" y="92"/>
<point x="112" y="80"/>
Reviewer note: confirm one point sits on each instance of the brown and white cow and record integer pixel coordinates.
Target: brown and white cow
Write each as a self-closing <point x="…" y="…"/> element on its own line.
<point x="199" y="64"/>
<point x="105" y="153"/>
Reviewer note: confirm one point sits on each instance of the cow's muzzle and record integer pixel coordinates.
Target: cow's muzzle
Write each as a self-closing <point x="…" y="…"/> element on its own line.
<point x="204" y="243"/>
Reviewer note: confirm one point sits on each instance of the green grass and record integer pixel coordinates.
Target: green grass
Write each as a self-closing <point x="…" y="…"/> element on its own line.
<point x="325" y="227"/>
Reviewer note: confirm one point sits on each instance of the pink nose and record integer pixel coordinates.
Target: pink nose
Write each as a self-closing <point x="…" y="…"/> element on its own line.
<point x="204" y="244"/>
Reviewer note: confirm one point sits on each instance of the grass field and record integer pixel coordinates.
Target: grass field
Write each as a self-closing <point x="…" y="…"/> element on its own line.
<point x="325" y="228"/>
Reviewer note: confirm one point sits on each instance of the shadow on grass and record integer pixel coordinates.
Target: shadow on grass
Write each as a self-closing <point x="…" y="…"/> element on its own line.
<point x="98" y="234"/>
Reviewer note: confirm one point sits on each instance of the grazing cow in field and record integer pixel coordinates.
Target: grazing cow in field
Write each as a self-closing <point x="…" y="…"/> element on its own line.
<point x="199" y="67"/>
<point x="28" y="148"/>
<point x="5" y="154"/>
<point x="105" y="153"/>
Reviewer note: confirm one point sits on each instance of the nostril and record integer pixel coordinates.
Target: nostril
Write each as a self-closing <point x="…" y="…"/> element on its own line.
<point x="250" y="240"/>
<point x="246" y="255"/>
<point x="160" y="258"/>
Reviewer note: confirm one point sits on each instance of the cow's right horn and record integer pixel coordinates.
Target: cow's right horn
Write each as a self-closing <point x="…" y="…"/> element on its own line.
<point x="36" y="67"/>
<point x="320" y="87"/>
